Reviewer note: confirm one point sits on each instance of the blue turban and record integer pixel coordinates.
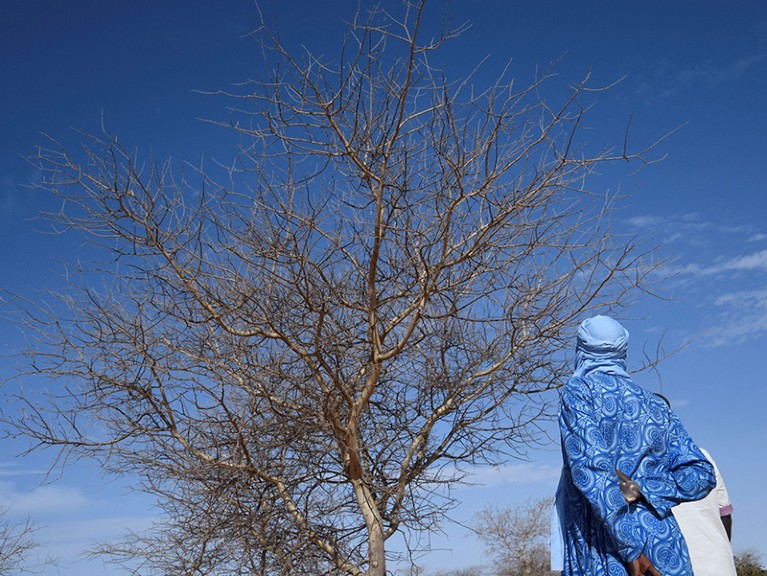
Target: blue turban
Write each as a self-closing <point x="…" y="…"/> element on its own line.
<point x="601" y="345"/>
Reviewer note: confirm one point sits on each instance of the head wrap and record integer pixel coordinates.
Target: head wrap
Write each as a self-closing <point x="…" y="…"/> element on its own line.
<point x="601" y="346"/>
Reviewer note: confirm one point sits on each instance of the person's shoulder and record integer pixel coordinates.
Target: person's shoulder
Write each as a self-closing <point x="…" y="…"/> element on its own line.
<point x="575" y="386"/>
<point x="590" y="388"/>
<point x="657" y="408"/>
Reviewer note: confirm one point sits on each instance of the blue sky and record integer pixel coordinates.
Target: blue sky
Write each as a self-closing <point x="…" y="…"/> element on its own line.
<point x="701" y="66"/>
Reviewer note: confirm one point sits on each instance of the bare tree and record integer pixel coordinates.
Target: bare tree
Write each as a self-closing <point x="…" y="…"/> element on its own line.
<point x="517" y="537"/>
<point x="748" y="563"/>
<point x="16" y="542"/>
<point x="301" y="359"/>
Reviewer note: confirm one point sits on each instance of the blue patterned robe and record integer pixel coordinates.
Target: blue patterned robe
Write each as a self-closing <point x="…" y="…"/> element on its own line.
<point x="607" y="422"/>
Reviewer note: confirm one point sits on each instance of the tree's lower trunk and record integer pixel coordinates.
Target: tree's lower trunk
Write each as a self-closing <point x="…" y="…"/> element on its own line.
<point x="376" y="551"/>
<point x="374" y="524"/>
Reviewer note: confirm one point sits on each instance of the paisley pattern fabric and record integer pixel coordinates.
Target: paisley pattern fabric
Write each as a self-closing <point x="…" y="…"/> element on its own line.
<point x="607" y="422"/>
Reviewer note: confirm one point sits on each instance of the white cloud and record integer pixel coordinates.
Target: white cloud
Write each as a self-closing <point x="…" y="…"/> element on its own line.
<point x="492" y="476"/>
<point x="715" y="265"/>
<point x="756" y="262"/>
<point x="694" y="227"/>
<point x="690" y="229"/>
<point x="711" y="73"/>
<point x="13" y="469"/>
<point x="41" y="499"/>
<point x="745" y="300"/>
<point x="70" y="542"/>
<point x="744" y="318"/>
<point x="646" y="221"/>
<point x="79" y="535"/>
<point x="667" y="80"/>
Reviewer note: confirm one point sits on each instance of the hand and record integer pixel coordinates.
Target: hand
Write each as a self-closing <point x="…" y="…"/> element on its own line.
<point x="629" y="488"/>
<point x="642" y="566"/>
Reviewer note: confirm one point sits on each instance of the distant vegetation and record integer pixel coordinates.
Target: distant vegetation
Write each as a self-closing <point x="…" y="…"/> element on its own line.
<point x="748" y="563"/>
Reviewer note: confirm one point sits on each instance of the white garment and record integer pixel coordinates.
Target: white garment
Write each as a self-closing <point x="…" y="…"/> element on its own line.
<point x="701" y="524"/>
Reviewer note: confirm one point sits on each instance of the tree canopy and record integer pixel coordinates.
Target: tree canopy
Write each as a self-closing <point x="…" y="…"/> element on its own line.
<point x="300" y="360"/>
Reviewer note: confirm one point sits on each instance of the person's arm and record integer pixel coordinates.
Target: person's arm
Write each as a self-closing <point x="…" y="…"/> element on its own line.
<point x="689" y="476"/>
<point x="592" y="463"/>
<point x="727" y="521"/>
<point x="722" y="498"/>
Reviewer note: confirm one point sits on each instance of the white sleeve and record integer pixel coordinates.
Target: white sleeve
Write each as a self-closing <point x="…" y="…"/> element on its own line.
<point x="722" y="497"/>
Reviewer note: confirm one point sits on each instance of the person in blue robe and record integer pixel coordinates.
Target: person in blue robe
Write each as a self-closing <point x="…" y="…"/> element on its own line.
<point x="615" y="433"/>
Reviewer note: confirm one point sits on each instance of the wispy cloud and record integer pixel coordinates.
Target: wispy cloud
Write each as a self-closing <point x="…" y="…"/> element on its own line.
<point x="694" y="245"/>
<point x="73" y="537"/>
<point x="743" y="315"/>
<point x="70" y="542"/>
<point x="11" y="469"/>
<point x="691" y="224"/>
<point x="70" y="520"/>
<point x="707" y="258"/>
<point x="689" y="228"/>
<point x="514" y="474"/>
<point x="754" y="262"/>
<point x="46" y="499"/>
<point x="711" y="73"/>
<point x="746" y="300"/>
<point x="715" y="73"/>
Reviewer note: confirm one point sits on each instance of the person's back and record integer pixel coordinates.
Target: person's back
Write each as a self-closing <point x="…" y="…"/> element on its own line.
<point x="702" y="525"/>
<point x="608" y="423"/>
